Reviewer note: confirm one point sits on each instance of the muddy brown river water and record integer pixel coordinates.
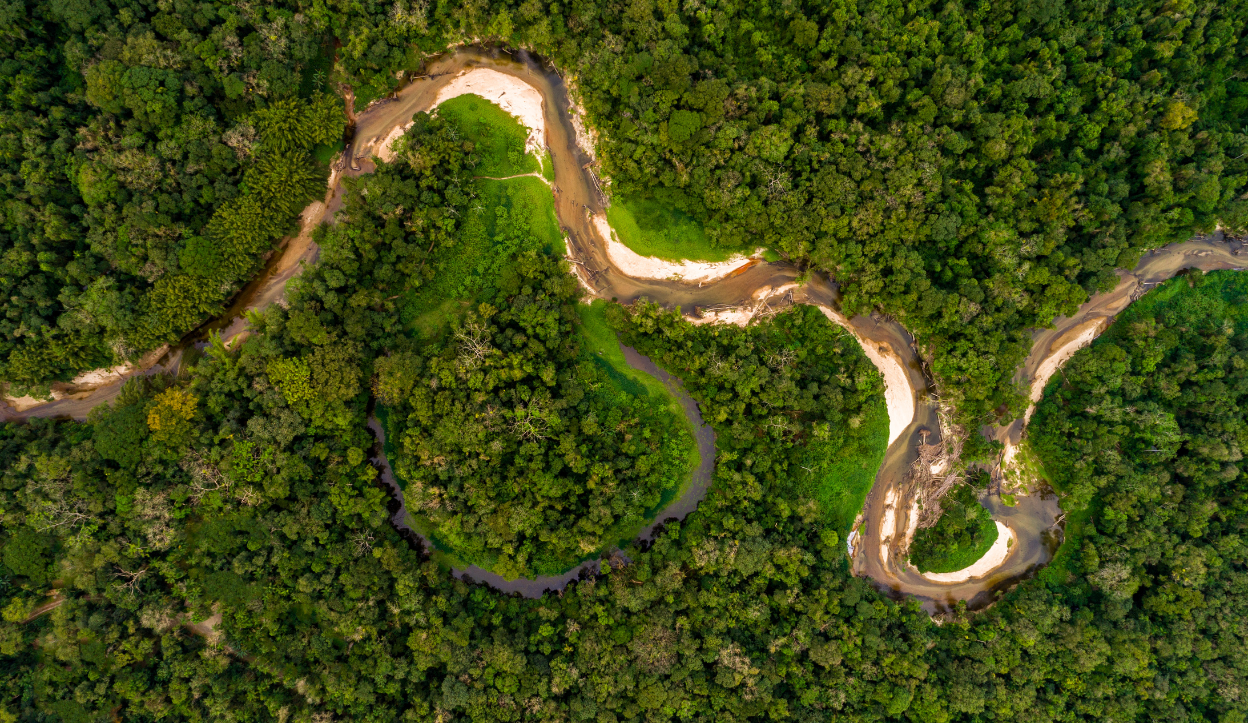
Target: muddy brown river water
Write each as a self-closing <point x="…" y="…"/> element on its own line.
<point x="577" y="200"/>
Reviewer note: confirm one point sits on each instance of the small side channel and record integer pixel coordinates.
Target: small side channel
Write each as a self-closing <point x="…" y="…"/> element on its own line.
<point x="678" y="509"/>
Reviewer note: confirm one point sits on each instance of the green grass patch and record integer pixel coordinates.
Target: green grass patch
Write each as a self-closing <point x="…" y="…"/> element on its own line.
<point x="656" y="227"/>
<point x="1008" y="500"/>
<point x="499" y="137"/>
<point x="325" y="152"/>
<point x="548" y="166"/>
<point x="431" y="322"/>
<point x="521" y="207"/>
<point x="839" y="459"/>
<point x="1204" y="296"/>
<point x="964" y="532"/>
<point x="841" y="487"/>
<point x="506" y="218"/>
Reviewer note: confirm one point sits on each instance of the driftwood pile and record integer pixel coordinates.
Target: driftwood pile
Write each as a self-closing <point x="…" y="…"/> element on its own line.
<point x="942" y="456"/>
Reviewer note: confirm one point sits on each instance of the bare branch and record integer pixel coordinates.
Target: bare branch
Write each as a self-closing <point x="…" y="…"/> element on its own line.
<point x="130" y="580"/>
<point x="474" y="345"/>
<point x="206" y="476"/>
<point x="363" y="541"/>
<point x="530" y="423"/>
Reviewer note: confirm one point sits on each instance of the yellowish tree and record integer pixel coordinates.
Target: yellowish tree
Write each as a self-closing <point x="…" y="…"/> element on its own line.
<point x="170" y="415"/>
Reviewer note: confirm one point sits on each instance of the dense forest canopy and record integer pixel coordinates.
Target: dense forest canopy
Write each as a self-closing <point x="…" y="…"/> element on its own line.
<point x="216" y="546"/>
<point x="152" y="155"/>
<point x="974" y="170"/>
<point x="221" y="550"/>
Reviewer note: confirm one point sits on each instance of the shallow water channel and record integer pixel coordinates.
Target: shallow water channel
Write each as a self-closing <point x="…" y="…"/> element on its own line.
<point x="677" y="509"/>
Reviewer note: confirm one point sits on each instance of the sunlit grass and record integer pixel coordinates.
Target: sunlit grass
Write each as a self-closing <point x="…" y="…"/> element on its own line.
<point x="842" y="487"/>
<point x="655" y="227"/>
<point x="499" y="137"/>
<point x="506" y="218"/>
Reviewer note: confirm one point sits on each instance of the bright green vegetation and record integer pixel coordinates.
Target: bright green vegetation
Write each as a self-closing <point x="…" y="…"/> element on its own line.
<point x="366" y="94"/>
<point x="845" y="475"/>
<point x="973" y="169"/>
<point x="505" y="218"/>
<point x="325" y="152"/>
<point x="964" y="532"/>
<point x="497" y="136"/>
<point x="548" y="166"/>
<point x="1009" y="500"/>
<point x="654" y="226"/>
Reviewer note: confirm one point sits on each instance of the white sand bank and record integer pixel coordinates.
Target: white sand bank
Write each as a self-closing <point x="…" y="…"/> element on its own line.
<point x="888" y="526"/>
<point x="22" y="404"/>
<point x="385" y="149"/>
<point x="984" y="565"/>
<point x="104" y="376"/>
<point x="913" y="525"/>
<point x="633" y="264"/>
<point x="510" y="93"/>
<point x="1060" y="352"/>
<point x="739" y="315"/>
<point x="898" y="394"/>
<point x="766" y="292"/>
<point x="92" y="379"/>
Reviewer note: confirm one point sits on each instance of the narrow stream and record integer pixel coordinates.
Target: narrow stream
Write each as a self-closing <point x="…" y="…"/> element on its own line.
<point x="677" y="509"/>
<point x="577" y="200"/>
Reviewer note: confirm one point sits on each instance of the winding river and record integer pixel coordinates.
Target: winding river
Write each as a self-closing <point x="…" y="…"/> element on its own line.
<point x="887" y="514"/>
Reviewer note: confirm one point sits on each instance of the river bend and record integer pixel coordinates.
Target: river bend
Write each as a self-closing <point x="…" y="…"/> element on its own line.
<point x="886" y="516"/>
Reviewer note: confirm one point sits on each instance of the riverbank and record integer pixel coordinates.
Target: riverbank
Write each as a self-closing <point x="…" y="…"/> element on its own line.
<point x="685" y="502"/>
<point x="733" y="296"/>
<point x="992" y="559"/>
